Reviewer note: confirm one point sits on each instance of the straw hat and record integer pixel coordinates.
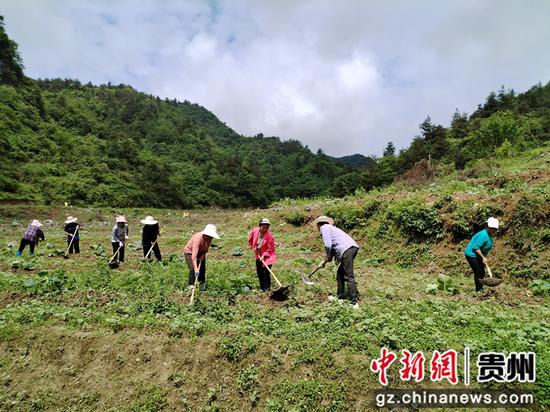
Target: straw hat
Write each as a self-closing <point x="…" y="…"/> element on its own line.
<point x="323" y="219"/>
<point x="264" y="221"/>
<point x="70" y="219"/>
<point x="210" y="230"/>
<point x="36" y="223"/>
<point x="121" y="219"/>
<point x="493" y="223"/>
<point x="149" y="221"/>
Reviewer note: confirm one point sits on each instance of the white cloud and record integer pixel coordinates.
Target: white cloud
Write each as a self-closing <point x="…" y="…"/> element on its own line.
<point x="345" y="77"/>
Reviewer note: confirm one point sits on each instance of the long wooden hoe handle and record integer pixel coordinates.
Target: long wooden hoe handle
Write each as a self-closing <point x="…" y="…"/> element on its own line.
<point x="151" y="248"/>
<point x="195" y="286"/>
<point x="270" y="271"/>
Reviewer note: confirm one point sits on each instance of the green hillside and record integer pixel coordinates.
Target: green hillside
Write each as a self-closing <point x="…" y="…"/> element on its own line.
<point x="63" y="141"/>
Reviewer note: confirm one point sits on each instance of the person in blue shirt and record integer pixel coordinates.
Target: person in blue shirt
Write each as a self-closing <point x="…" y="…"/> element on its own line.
<point x="478" y="248"/>
<point x="340" y="246"/>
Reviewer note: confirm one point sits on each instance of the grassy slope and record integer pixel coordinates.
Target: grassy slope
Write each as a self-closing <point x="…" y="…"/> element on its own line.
<point x="76" y="335"/>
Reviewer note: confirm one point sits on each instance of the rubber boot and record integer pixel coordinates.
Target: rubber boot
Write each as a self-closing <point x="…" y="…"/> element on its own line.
<point x="18" y="253"/>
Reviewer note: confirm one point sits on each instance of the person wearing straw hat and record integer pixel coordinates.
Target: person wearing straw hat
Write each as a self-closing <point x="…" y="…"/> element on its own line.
<point x="262" y="243"/>
<point x="149" y="237"/>
<point x="195" y="255"/>
<point x="477" y="250"/>
<point x="71" y="232"/>
<point x="340" y="246"/>
<point x="31" y="237"/>
<point x="119" y="236"/>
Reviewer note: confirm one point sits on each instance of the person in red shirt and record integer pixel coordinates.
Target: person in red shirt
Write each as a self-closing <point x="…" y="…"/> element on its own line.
<point x="195" y="255"/>
<point x="262" y="242"/>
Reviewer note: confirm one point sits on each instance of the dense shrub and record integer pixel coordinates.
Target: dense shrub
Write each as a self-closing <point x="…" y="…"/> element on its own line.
<point x="531" y="210"/>
<point x="468" y="218"/>
<point x="416" y="221"/>
<point x="295" y="218"/>
<point x="352" y="216"/>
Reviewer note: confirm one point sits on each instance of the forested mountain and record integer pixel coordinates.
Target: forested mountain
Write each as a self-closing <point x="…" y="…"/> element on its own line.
<point x="356" y="161"/>
<point x="61" y="140"/>
<point x="111" y="145"/>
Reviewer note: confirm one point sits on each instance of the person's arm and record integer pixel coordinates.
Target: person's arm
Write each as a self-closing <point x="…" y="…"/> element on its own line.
<point x="251" y="239"/>
<point x="195" y="253"/>
<point x="41" y="235"/>
<point x="327" y="241"/>
<point x="476" y="247"/>
<point x="270" y="248"/>
<point x="126" y="231"/>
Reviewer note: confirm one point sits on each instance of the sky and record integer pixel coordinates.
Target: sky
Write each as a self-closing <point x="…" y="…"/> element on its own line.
<point x="343" y="76"/>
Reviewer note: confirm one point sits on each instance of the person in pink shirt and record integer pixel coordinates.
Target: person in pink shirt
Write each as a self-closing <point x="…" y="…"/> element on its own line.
<point x="195" y="255"/>
<point x="262" y="242"/>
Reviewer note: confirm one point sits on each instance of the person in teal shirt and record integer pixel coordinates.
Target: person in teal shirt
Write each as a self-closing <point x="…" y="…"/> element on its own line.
<point x="477" y="250"/>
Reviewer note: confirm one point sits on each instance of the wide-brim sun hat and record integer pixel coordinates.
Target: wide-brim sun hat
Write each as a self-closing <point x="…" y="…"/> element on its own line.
<point x="70" y="219"/>
<point x="493" y="223"/>
<point x="36" y="223"/>
<point x="264" y="221"/>
<point x="121" y="219"/>
<point x="324" y="219"/>
<point x="149" y="221"/>
<point x="211" y="230"/>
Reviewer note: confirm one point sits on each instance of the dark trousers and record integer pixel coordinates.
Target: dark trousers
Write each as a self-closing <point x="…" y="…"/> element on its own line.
<point x="476" y="263"/>
<point x="147" y="246"/>
<point x="25" y="242"/>
<point x="120" y="252"/>
<point x="202" y="271"/>
<point x="345" y="274"/>
<point x="263" y="275"/>
<point x="74" y="247"/>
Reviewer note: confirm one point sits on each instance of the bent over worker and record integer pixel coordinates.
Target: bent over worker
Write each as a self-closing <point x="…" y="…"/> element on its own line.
<point x="195" y="255"/>
<point x="340" y="246"/>
<point x="477" y="250"/>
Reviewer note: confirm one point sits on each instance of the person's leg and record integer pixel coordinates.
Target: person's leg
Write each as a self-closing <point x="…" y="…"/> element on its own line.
<point x="31" y="247"/>
<point x="69" y="245"/>
<point x="76" y="245"/>
<point x="22" y="245"/>
<point x="202" y="276"/>
<point x="479" y="271"/>
<point x="341" y="290"/>
<point x="267" y="278"/>
<point x="349" y="276"/>
<point x="115" y="248"/>
<point x="156" y="251"/>
<point x="146" y="245"/>
<point x="191" y="280"/>
<point x="260" y="273"/>
<point x="121" y="254"/>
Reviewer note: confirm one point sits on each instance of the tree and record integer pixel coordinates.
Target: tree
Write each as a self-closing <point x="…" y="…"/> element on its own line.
<point x="389" y="150"/>
<point x="11" y="65"/>
<point x="459" y="125"/>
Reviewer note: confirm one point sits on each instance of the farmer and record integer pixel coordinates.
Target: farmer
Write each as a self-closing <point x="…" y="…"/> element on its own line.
<point x="119" y="236"/>
<point x="195" y="255"/>
<point x="262" y="242"/>
<point x="149" y="237"/>
<point x="71" y="232"/>
<point x="31" y="237"/>
<point x="478" y="248"/>
<point x="339" y="245"/>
